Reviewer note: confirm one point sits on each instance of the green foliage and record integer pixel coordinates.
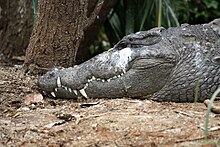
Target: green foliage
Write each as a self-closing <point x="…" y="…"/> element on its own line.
<point x="34" y="9"/>
<point x="130" y="16"/>
<point x="204" y="10"/>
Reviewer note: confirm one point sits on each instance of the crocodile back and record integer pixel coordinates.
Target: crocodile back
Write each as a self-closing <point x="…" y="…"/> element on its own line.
<point x="196" y="75"/>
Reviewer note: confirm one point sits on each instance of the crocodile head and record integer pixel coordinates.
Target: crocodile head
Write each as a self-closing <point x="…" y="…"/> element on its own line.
<point x="138" y="65"/>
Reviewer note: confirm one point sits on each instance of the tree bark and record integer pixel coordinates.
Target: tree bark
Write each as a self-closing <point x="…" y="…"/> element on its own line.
<point x="15" y="27"/>
<point x="60" y="28"/>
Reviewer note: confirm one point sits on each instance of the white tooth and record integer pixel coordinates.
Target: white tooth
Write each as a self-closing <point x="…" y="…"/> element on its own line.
<point x="98" y="79"/>
<point x="53" y="94"/>
<point x="87" y="84"/>
<point x="103" y="80"/>
<point x="108" y="80"/>
<point x="119" y="76"/>
<point x="124" y="71"/>
<point x="93" y="78"/>
<point x="66" y="88"/>
<point x="82" y="91"/>
<point x="89" y="80"/>
<point x="114" y="77"/>
<point x="70" y="90"/>
<point x="56" y="89"/>
<point x="58" y="82"/>
<point x="75" y="91"/>
<point x="122" y="74"/>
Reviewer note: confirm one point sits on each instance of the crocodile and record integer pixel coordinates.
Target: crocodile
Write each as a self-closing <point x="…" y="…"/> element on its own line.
<point x="176" y="64"/>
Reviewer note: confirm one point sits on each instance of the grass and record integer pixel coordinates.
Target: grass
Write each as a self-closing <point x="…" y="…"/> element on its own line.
<point x="215" y="94"/>
<point x="159" y="14"/>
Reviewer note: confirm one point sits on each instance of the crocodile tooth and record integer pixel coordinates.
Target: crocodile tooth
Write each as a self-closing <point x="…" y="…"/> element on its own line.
<point x="58" y="82"/>
<point x="53" y="94"/>
<point x="93" y="78"/>
<point x="82" y="91"/>
<point x="70" y="90"/>
<point x="114" y="77"/>
<point x="122" y="74"/>
<point x="98" y="79"/>
<point x="89" y="80"/>
<point x="56" y="89"/>
<point x="87" y="84"/>
<point x="66" y="88"/>
<point x="108" y="80"/>
<point x="75" y="91"/>
<point x="119" y="76"/>
<point x="103" y="80"/>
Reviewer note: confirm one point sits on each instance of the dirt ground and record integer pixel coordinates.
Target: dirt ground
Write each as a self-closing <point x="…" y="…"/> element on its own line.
<point x="26" y="121"/>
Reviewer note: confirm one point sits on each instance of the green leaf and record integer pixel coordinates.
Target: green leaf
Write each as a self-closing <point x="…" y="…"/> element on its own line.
<point x="129" y="16"/>
<point x="211" y="3"/>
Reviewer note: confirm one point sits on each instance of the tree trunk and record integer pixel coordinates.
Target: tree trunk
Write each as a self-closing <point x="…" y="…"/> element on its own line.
<point x="15" y="27"/>
<point x="59" y="30"/>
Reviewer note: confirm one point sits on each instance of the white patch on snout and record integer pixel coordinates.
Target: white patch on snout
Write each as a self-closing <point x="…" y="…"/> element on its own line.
<point x="124" y="58"/>
<point x="116" y="60"/>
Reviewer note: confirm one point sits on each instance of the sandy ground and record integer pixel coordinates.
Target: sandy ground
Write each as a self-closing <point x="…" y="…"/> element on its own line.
<point x="29" y="119"/>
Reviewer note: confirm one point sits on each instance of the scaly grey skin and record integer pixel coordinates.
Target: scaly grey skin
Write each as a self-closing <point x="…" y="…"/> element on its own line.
<point x="164" y="64"/>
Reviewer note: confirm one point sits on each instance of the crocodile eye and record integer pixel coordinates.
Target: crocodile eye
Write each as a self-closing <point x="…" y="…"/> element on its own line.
<point x="123" y="44"/>
<point x="120" y="45"/>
